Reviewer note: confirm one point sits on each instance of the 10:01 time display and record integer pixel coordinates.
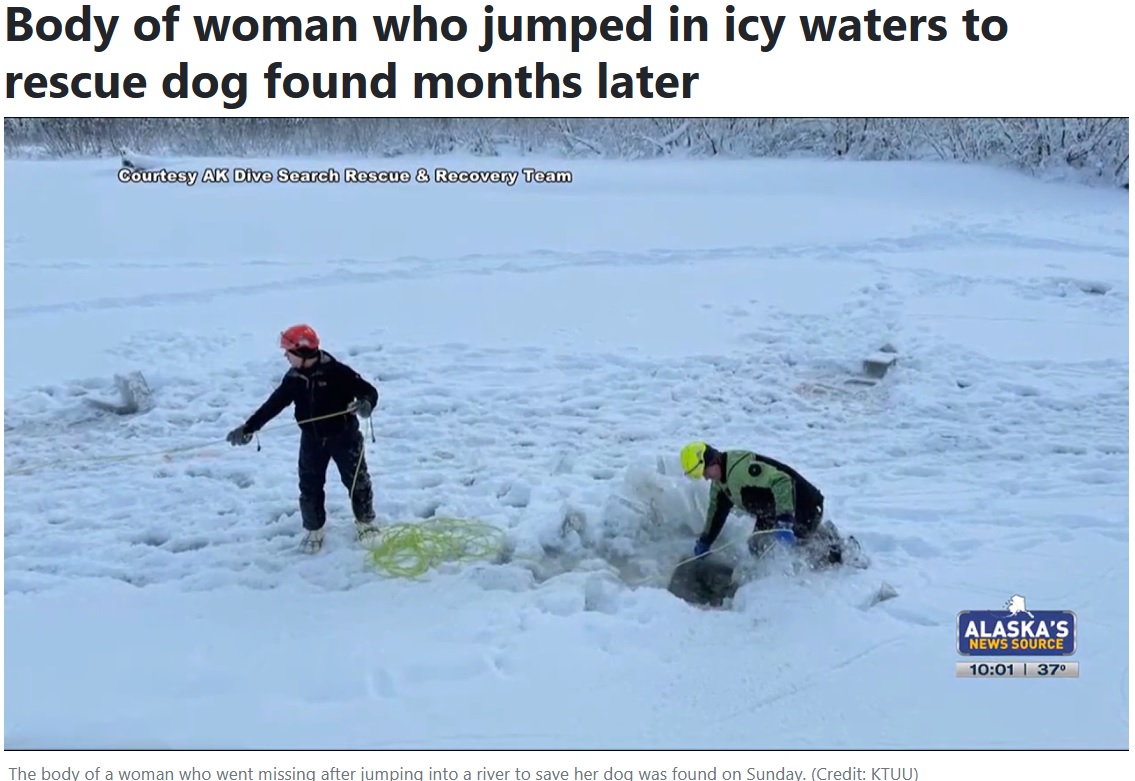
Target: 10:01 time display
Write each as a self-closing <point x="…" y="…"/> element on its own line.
<point x="996" y="670"/>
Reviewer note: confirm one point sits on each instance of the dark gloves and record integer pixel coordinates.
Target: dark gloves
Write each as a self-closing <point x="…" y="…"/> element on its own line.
<point x="360" y="407"/>
<point x="239" y="436"/>
<point x="700" y="547"/>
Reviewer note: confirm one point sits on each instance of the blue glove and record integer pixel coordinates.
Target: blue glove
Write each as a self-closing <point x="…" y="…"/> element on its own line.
<point x="700" y="548"/>
<point x="784" y="533"/>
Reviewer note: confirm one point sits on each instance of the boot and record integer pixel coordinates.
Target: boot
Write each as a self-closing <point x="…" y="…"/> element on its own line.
<point x="828" y="548"/>
<point x="312" y="541"/>
<point x="366" y="531"/>
<point x="853" y="555"/>
<point x="824" y="548"/>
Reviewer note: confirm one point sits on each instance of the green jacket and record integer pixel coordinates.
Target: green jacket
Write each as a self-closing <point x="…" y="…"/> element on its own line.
<point x="763" y="488"/>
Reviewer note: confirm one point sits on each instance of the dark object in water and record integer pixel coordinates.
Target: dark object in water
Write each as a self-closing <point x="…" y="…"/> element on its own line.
<point x="703" y="581"/>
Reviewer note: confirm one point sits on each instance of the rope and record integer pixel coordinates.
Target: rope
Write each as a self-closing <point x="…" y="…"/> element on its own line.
<point x="659" y="579"/>
<point x="362" y="457"/>
<point x="409" y="550"/>
<point x="182" y="449"/>
<point x="755" y="533"/>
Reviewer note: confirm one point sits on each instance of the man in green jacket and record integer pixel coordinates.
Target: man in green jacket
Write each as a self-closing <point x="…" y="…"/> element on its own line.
<point x="786" y="507"/>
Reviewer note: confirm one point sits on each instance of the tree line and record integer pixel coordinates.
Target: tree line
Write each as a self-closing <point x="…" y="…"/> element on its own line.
<point x="1091" y="148"/>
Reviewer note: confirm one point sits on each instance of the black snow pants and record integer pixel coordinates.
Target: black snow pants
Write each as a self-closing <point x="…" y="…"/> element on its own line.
<point x="317" y="451"/>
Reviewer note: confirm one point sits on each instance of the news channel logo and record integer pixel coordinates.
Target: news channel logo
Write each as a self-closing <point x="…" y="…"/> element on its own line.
<point x="1016" y="631"/>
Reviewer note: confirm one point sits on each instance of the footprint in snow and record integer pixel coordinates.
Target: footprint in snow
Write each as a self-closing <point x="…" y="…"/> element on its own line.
<point x="428" y="480"/>
<point x="427" y="510"/>
<point x="907" y="615"/>
<point x="919" y="548"/>
<point x="515" y="495"/>
<point x="380" y="684"/>
<point x="154" y="538"/>
<point x="186" y="544"/>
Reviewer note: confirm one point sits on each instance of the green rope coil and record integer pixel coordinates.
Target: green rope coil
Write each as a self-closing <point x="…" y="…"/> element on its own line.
<point x="409" y="550"/>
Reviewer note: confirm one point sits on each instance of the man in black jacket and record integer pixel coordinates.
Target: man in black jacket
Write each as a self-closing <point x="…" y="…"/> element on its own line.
<point x="327" y="395"/>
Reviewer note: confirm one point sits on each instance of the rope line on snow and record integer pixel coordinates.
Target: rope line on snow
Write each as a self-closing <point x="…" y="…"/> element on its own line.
<point x="181" y="449"/>
<point x="409" y="550"/>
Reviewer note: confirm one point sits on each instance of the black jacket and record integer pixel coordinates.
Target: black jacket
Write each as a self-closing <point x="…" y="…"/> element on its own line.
<point x="324" y="389"/>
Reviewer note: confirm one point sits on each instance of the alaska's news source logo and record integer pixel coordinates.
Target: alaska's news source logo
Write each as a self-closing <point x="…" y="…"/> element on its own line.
<point x="1016" y="631"/>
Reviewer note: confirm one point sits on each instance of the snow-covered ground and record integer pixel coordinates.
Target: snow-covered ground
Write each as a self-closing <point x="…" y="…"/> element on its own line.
<point x="543" y="351"/>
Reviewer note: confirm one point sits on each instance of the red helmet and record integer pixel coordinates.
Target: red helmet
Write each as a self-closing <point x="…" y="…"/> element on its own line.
<point x="300" y="339"/>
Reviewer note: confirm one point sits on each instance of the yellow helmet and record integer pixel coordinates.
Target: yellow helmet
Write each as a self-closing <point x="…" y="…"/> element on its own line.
<point x="693" y="460"/>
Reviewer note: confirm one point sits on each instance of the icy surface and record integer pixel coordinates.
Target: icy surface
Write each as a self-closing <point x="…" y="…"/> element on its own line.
<point x="542" y="353"/>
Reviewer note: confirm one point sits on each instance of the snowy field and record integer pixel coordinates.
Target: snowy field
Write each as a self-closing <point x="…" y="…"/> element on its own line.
<point x="543" y="352"/>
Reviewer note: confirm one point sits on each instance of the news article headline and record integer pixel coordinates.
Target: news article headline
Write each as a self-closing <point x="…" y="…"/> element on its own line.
<point x="498" y="28"/>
